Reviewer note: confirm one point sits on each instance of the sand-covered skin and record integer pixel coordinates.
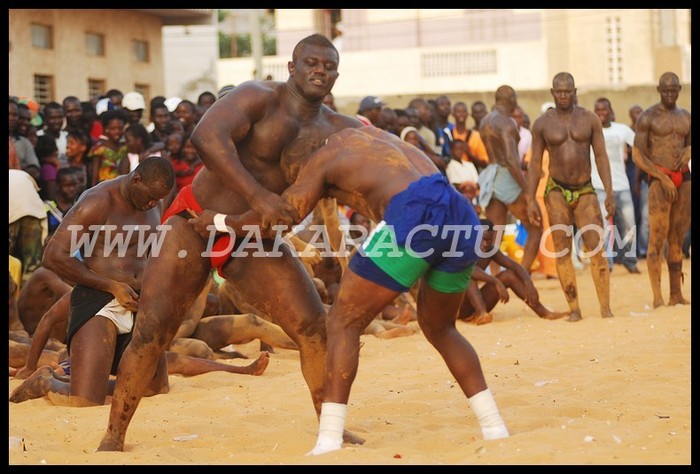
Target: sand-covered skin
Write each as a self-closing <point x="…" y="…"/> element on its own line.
<point x="599" y="391"/>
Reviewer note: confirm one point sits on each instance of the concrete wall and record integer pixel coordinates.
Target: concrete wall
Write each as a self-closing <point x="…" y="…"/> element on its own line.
<point x="67" y="61"/>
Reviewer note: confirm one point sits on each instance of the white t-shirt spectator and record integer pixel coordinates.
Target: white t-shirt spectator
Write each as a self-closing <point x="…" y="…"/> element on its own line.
<point x="617" y="136"/>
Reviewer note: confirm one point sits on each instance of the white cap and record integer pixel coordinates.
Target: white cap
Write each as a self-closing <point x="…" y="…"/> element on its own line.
<point x="133" y="101"/>
<point x="103" y="105"/>
<point x="171" y="103"/>
<point x="545" y="107"/>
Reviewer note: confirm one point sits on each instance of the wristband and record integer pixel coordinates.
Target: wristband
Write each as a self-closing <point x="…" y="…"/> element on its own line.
<point x="220" y="223"/>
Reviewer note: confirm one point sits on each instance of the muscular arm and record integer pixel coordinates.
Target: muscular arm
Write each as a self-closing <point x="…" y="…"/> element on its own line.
<point x="642" y="158"/>
<point x="302" y="196"/>
<point x="534" y="172"/>
<point x="511" y="153"/>
<point x="91" y="210"/>
<point x="227" y="123"/>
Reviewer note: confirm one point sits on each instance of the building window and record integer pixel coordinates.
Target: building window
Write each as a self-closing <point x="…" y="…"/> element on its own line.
<point x="613" y="37"/>
<point x="96" y="87"/>
<point x="43" y="89"/>
<point x="94" y="44"/>
<point x="42" y="36"/>
<point x="145" y="91"/>
<point x="139" y="50"/>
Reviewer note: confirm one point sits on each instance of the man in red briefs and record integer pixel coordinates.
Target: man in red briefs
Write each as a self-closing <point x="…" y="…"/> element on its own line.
<point x="663" y="141"/>
<point x="250" y="141"/>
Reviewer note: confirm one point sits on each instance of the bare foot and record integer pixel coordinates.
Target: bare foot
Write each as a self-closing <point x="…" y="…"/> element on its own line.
<point x="260" y="364"/>
<point x="108" y="444"/>
<point x="677" y="299"/>
<point x="658" y="302"/>
<point x="553" y="314"/>
<point x="36" y="385"/>
<point x="574" y="316"/>
<point x="606" y="313"/>
<point x="352" y="438"/>
<point x="484" y="318"/>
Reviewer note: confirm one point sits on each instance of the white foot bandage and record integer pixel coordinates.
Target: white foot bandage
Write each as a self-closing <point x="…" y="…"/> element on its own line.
<point x="330" y="428"/>
<point x="486" y="411"/>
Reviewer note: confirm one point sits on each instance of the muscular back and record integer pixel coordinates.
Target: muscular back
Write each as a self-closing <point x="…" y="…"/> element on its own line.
<point x="361" y="168"/>
<point x="500" y="135"/>
<point x="568" y="138"/>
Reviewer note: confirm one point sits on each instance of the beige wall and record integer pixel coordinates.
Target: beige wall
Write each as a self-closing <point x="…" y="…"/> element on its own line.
<point x="67" y="61"/>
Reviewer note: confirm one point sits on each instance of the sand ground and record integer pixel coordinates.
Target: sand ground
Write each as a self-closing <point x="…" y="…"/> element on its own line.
<point x="599" y="391"/>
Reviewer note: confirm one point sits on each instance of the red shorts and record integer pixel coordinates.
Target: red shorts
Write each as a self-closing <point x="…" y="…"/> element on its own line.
<point x="185" y="200"/>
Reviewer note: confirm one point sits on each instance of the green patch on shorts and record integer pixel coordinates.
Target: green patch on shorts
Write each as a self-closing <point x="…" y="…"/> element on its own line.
<point x="393" y="259"/>
<point x="406" y="268"/>
<point x="449" y="282"/>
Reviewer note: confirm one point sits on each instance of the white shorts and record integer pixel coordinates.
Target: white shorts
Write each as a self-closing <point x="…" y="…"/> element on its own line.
<point x="119" y="315"/>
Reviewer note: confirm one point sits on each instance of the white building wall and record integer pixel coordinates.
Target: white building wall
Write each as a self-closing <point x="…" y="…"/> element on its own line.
<point x="399" y="72"/>
<point x="190" y="57"/>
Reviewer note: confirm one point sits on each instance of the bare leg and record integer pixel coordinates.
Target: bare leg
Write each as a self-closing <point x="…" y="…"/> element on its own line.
<point x="588" y="212"/>
<point x="659" y="212"/>
<point x="473" y="306"/>
<point x="534" y="232"/>
<point x="357" y="303"/>
<point x="561" y="214"/>
<point x="170" y="284"/>
<point x="91" y="356"/>
<point x="37" y="385"/>
<point x="189" y="366"/>
<point x="289" y="298"/>
<point x="389" y="330"/>
<point x="436" y="316"/>
<point x="222" y="330"/>
<point x="679" y="223"/>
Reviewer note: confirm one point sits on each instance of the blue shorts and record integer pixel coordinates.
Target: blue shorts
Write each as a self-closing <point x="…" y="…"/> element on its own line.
<point x="429" y="230"/>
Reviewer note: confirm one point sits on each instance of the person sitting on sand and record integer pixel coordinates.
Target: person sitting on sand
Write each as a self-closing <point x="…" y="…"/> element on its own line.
<point x="190" y="353"/>
<point x="105" y="299"/>
<point x="480" y="300"/>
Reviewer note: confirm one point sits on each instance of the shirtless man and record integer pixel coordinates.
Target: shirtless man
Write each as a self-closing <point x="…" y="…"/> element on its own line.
<point x="502" y="183"/>
<point x="107" y="277"/>
<point x="663" y="140"/>
<point x="568" y="132"/>
<point x="250" y="141"/>
<point x="398" y="186"/>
